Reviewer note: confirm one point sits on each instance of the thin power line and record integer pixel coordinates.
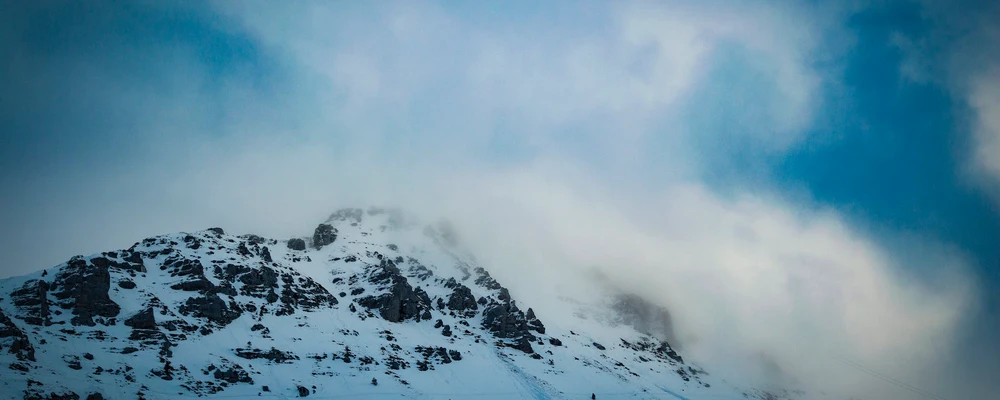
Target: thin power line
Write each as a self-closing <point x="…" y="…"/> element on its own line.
<point x="903" y="385"/>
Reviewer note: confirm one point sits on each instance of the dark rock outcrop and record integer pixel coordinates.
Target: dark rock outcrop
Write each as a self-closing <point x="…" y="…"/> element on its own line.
<point x="485" y="280"/>
<point x="659" y="349"/>
<point x="524" y="344"/>
<point x="192" y="270"/>
<point x="296" y="292"/>
<point x="257" y="283"/>
<point x="18" y="343"/>
<point x="506" y="321"/>
<point x="34" y="395"/>
<point x="296" y="244"/>
<point x="130" y="261"/>
<point x="235" y="374"/>
<point x="533" y="322"/>
<point x="84" y="290"/>
<point x="325" y="234"/>
<point x="273" y="355"/>
<point x="440" y="355"/>
<point x="212" y="308"/>
<point x="192" y="242"/>
<point x="462" y="300"/>
<point x="207" y="304"/>
<point x="402" y="302"/>
<point x="32" y="299"/>
<point x="254" y="239"/>
<point x="142" y="320"/>
<point x="134" y="259"/>
<point x="306" y="295"/>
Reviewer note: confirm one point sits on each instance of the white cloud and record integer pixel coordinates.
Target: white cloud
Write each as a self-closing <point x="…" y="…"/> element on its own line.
<point x="622" y="80"/>
<point x="741" y="275"/>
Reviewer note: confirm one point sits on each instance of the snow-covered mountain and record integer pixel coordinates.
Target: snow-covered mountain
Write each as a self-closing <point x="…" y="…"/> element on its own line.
<point x="372" y="305"/>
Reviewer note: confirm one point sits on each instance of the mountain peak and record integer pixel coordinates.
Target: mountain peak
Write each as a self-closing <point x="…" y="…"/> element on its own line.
<point x="368" y="297"/>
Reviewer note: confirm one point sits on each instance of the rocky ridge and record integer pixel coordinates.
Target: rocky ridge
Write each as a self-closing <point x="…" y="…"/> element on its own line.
<point x="369" y="297"/>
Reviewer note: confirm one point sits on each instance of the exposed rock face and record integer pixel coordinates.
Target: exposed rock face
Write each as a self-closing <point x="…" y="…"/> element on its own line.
<point x="462" y="300"/>
<point x="325" y="234"/>
<point x="192" y="270"/>
<point x="524" y="344"/>
<point x="258" y="283"/>
<point x="33" y="395"/>
<point x="254" y="239"/>
<point x="84" y="289"/>
<point x="212" y="308"/>
<point x="273" y="355"/>
<point x="142" y="320"/>
<point x="125" y="260"/>
<point x="533" y="322"/>
<point x="16" y="341"/>
<point x="32" y="300"/>
<point x="296" y="292"/>
<point x="645" y="317"/>
<point x="296" y="244"/>
<point x="440" y="355"/>
<point x="402" y="302"/>
<point x="235" y="374"/>
<point x="505" y="320"/>
<point x="207" y="304"/>
<point x="486" y="281"/>
<point x="305" y="294"/>
<point x="659" y="349"/>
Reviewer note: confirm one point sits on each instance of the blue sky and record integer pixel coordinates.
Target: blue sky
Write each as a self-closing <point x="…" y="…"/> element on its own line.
<point x="867" y="129"/>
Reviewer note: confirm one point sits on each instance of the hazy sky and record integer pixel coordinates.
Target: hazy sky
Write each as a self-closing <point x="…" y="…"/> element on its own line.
<point x="770" y="170"/>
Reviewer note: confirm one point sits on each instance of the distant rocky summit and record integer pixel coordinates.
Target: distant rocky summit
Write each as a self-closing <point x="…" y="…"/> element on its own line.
<point x="372" y="303"/>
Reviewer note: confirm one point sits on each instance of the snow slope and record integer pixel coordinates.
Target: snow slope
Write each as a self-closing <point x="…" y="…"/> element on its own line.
<point x="371" y="297"/>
